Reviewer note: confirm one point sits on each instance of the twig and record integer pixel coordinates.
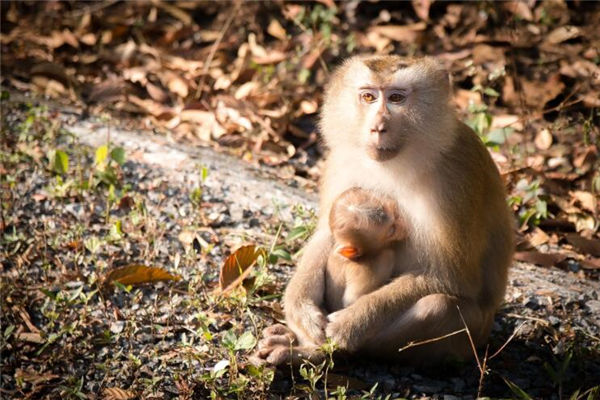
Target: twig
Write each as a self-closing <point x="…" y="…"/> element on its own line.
<point x="91" y="9"/>
<point x="508" y="340"/>
<point x="541" y="321"/>
<point x="213" y="50"/>
<point x="479" y="364"/>
<point x="413" y="344"/>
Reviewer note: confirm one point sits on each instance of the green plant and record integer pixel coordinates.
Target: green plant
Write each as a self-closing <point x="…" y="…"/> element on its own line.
<point x="528" y="198"/>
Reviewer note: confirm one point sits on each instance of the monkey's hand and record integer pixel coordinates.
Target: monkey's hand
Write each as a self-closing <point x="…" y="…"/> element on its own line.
<point x="345" y="330"/>
<point x="308" y="321"/>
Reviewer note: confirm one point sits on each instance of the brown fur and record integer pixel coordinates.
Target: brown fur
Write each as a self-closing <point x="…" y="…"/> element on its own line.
<point x="460" y="244"/>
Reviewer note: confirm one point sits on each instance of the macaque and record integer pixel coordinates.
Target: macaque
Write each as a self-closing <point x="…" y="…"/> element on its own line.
<point x="365" y="227"/>
<point x="389" y="128"/>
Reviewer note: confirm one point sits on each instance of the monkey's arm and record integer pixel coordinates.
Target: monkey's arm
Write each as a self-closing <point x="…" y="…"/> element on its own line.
<point x="304" y="296"/>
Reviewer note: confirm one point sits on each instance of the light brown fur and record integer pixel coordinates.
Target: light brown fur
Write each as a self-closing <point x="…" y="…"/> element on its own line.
<point x="370" y="225"/>
<point x="444" y="182"/>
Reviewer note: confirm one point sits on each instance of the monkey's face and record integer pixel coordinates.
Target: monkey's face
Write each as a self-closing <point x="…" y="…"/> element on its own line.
<point x="384" y="104"/>
<point x="380" y="110"/>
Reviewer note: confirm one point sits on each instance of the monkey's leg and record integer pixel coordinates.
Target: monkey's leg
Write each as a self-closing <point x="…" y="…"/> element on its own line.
<point x="280" y="346"/>
<point x="431" y="317"/>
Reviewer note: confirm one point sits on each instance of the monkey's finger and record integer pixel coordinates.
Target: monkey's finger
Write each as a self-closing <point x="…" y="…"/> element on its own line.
<point x="277" y="329"/>
<point x="279" y="340"/>
<point x="279" y="355"/>
<point x="256" y="359"/>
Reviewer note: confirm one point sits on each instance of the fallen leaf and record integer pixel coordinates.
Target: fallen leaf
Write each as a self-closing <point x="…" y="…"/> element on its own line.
<point x="587" y="200"/>
<point x="594" y="263"/>
<point x="31" y="337"/>
<point x="588" y="246"/>
<point x="542" y="259"/>
<point x="400" y="33"/>
<point x="114" y="393"/>
<point x="238" y="266"/>
<point x="520" y="9"/>
<point x="562" y="34"/>
<point x="538" y="93"/>
<point x="276" y="30"/>
<point x="136" y="274"/>
<point x="272" y="57"/>
<point x="421" y="8"/>
<point x="32" y="376"/>
<point x="538" y="237"/>
<point x="543" y="139"/>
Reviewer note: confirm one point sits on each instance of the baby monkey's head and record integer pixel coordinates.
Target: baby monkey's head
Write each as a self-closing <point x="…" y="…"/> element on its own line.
<point x="364" y="222"/>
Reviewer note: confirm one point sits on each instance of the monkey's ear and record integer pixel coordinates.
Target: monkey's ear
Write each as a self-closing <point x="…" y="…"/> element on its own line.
<point x="350" y="252"/>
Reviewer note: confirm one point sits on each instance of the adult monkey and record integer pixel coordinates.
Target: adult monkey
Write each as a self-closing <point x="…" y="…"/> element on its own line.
<point x="389" y="127"/>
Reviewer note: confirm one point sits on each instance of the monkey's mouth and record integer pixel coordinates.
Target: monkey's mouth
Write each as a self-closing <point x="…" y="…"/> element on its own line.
<point x="381" y="153"/>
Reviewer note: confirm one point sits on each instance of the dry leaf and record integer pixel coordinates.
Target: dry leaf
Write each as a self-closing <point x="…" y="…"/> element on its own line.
<point x="421" y="8"/>
<point x="272" y="57"/>
<point x="276" y="30"/>
<point x="117" y="394"/>
<point x="400" y="33"/>
<point x="543" y="259"/>
<point x="519" y="8"/>
<point x="31" y="337"/>
<point x="562" y="34"/>
<point x="538" y="93"/>
<point x="587" y="200"/>
<point x="245" y="90"/>
<point x="238" y="266"/>
<point x="135" y="274"/>
<point x="588" y="246"/>
<point x="538" y="237"/>
<point x="543" y="140"/>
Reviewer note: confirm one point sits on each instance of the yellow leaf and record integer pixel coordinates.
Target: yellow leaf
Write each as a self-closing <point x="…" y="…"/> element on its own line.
<point x="238" y="266"/>
<point x="138" y="274"/>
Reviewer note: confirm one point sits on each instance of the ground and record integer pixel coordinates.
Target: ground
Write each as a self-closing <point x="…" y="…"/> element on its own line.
<point x="168" y="135"/>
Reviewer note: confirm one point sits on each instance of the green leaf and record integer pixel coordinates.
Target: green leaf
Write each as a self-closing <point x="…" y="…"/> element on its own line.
<point x="491" y="92"/>
<point x="229" y="340"/>
<point x="101" y="154"/>
<point x="204" y="173"/>
<point x="117" y="154"/>
<point x="245" y="342"/>
<point x="498" y="136"/>
<point x="297" y="232"/>
<point x="61" y="162"/>
<point x="520" y="393"/>
<point x="281" y="253"/>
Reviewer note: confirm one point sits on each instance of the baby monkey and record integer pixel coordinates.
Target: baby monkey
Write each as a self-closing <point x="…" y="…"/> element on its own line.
<point x="366" y="228"/>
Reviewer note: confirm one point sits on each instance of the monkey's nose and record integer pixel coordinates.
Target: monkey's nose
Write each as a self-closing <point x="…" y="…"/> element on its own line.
<point x="378" y="128"/>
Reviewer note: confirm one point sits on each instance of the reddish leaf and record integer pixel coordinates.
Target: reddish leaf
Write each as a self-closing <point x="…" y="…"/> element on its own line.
<point x="589" y="246"/>
<point x="238" y="266"/>
<point x="138" y="274"/>
<point x="543" y="259"/>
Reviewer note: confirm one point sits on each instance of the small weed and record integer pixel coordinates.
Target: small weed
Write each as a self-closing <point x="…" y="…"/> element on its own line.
<point x="528" y="199"/>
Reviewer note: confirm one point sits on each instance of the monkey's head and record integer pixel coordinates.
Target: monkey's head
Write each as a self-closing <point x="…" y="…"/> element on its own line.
<point x="384" y="104"/>
<point x="363" y="222"/>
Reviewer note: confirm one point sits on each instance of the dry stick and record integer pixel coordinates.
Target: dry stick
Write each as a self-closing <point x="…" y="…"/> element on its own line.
<point x="541" y="321"/>
<point x="508" y="340"/>
<point x="479" y="365"/>
<point x="213" y="50"/>
<point x="413" y="344"/>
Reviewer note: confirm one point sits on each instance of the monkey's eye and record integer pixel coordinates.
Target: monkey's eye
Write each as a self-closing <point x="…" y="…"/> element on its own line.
<point x="396" y="98"/>
<point x="367" y="97"/>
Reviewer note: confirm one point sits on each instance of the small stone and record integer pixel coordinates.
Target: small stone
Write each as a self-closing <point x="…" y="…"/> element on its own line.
<point x="117" y="327"/>
<point x="554" y="320"/>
